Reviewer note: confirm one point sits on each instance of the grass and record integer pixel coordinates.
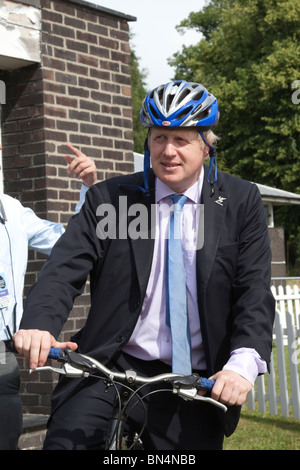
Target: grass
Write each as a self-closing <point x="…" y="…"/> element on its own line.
<point x="262" y="431"/>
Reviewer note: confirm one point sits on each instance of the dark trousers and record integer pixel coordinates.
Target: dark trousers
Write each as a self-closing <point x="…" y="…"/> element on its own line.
<point x="10" y="401"/>
<point x="172" y="423"/>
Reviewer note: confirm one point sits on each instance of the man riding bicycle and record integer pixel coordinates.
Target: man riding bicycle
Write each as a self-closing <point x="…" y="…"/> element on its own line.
<point x="230" y="307"/>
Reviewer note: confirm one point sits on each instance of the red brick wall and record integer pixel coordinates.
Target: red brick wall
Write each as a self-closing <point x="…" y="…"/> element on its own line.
<point x="80" y="94"/>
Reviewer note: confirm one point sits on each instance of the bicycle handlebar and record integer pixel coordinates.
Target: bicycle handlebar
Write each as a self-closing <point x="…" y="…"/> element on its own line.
<point x="80" y="365"/>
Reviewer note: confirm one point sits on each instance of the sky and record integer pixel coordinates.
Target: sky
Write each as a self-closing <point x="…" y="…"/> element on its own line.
<point x="155" y="37"/>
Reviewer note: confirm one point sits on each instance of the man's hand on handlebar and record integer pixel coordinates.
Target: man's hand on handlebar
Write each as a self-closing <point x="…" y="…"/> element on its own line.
<point x="34" y="345"/>
<point x="230" y="388"/>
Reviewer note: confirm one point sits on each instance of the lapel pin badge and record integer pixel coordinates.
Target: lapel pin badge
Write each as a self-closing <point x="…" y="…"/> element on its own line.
<point x="220" y="200"/>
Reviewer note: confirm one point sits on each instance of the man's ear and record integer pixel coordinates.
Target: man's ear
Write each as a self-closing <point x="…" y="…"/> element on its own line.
<point x="206" y="151"/>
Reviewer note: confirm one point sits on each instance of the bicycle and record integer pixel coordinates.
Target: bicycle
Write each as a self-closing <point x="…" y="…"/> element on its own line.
<point x="80" y="365"/>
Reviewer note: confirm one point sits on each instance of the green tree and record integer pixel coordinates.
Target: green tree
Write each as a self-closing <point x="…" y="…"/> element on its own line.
<point x="139" y="92"/>
<point x="248" y="57"/>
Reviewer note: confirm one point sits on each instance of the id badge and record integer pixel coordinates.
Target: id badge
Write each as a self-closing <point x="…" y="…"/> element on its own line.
<point x="4" y="294"/>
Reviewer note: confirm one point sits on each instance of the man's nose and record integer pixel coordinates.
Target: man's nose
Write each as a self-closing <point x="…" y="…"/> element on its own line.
<point x="169" y="149"/>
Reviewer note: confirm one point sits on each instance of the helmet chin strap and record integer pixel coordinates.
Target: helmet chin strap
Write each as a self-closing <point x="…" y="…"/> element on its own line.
<point x="146" y="165"/>
<point x="212" y="162"/>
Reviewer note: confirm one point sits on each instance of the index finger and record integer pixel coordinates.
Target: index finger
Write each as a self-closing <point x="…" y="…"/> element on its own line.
<point x="74" y="150"/>
<point x="39" y="349"/>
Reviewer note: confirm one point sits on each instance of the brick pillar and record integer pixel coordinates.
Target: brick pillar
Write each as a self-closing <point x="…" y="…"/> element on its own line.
<point x="79" y="94"/>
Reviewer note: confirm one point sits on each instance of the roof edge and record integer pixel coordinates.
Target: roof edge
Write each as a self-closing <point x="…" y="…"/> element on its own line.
<point x="108" y="11"/>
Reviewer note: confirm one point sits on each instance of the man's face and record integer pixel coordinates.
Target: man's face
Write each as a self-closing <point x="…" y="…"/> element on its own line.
<point x="177" y="156"/>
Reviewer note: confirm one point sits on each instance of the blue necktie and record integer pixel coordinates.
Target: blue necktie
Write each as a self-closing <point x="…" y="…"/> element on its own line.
<point x="177" y="315"/>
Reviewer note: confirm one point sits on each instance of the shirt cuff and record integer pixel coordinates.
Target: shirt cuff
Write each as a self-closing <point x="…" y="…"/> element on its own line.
<point x="247" y="363"/>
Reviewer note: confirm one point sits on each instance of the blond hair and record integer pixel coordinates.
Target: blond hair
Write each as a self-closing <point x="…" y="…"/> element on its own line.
<point x="210" y="137"/>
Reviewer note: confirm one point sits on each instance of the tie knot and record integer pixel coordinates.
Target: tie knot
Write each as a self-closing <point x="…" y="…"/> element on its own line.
<point x="179" y="200"/>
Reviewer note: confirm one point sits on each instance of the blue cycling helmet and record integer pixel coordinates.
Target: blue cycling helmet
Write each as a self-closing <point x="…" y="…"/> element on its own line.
<point x="180" y="104"/>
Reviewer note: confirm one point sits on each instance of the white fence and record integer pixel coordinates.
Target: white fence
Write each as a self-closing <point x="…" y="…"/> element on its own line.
<point x="281" y="389"/>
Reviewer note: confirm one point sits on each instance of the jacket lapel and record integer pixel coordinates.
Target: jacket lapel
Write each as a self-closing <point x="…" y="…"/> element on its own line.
<point x="142" y="247"/>
<point x="215" y="207"/>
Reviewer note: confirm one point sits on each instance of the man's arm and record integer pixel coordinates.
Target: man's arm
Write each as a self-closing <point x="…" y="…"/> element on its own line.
<point x="61" y="280"/>
<point x="252" y="309"/>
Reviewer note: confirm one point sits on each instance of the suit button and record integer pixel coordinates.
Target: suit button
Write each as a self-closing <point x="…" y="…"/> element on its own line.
<point x="120" y="339"/>
<point x="137" y="304"/>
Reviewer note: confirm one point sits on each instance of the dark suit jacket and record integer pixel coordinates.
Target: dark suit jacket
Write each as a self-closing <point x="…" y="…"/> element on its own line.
<point x="236" y="307"/>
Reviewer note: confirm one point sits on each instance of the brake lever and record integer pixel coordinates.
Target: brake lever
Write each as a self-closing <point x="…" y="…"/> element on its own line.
<point x="192" y="394"/>
<point x="66" y="369"/>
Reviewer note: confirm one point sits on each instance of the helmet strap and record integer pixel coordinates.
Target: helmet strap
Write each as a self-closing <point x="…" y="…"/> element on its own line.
<point x="212" y="162"/>
<point x="146" y="164"/>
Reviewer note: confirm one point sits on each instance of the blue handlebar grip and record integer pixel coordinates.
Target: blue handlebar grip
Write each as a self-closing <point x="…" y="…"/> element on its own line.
<point x="54" y="353"/>
<point x="207" y="383"/>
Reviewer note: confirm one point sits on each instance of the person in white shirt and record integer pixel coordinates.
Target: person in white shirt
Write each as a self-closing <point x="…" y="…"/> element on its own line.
<point x="20" y="229"/>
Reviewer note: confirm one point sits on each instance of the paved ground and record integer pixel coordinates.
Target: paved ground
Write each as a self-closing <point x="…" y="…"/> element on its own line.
<point x="34" y="430"/>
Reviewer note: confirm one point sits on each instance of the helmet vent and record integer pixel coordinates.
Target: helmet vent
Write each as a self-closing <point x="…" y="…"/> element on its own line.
<point x="154" y="112"/>
<point x="160" y="95"/>
<point x="200" y="115"/>
<point x="184" y="113"/>
<point x="169" y="102"/>
<point x="198" y="96"/>
<point x="183" y="95"/>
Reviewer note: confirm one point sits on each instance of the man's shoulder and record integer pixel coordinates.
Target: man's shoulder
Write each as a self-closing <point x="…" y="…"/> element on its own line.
<point x="116" y="185"/>
<point x="10" y="202"/>
<point x="226" y="178"/>
<point x="116" y="181"/>
<point x="123" y="180"/>
<point x="234" y="184"/>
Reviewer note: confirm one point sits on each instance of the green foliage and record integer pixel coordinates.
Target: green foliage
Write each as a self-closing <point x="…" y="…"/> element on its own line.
<point x="249" y="59"/>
